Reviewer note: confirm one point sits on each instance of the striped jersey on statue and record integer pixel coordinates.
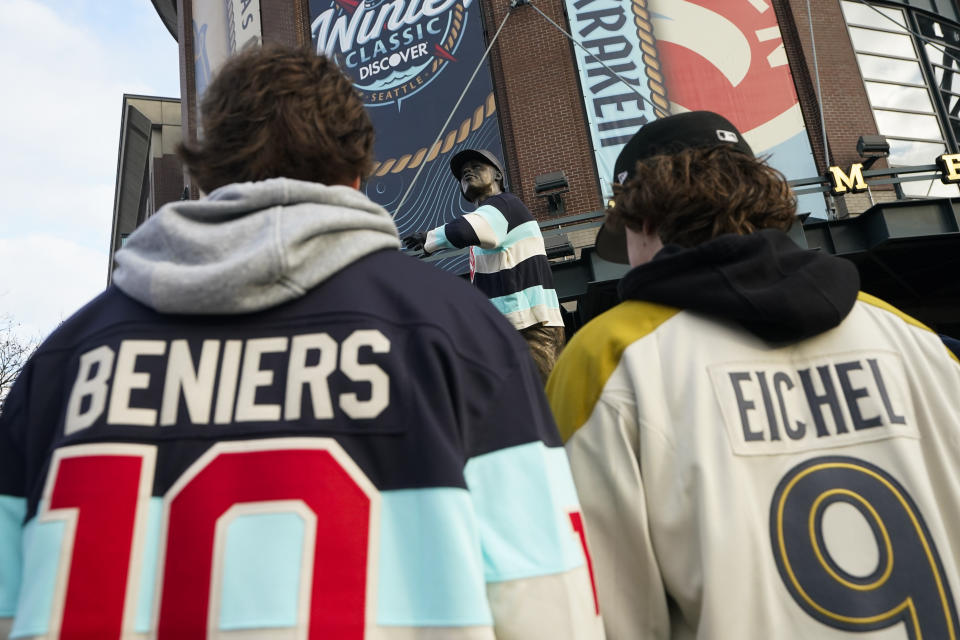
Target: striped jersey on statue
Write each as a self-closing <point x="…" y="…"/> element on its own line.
<point x="508" y="261"/>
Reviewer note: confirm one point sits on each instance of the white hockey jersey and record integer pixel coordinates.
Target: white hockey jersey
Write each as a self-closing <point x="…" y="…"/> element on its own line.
<point x="739" y="485"/>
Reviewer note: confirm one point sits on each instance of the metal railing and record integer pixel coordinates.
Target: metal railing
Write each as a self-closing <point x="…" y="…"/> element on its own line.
<point x="821" y="184"/>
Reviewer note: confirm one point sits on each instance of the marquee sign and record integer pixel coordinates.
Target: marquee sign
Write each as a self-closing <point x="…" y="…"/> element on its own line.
<point x="686" y="55"/>
<point x="410" y="60"/>
<point x="852" y="181"/>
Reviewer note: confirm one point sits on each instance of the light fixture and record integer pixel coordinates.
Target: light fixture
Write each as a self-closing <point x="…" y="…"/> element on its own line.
<point x="552" y="186"/>
<point x="871" y="148"/>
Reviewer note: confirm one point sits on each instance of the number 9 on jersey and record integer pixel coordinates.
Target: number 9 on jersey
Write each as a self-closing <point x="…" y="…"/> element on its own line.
<point x="908" y="583"/>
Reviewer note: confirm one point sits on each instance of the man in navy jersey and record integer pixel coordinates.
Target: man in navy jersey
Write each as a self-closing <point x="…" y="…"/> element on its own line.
<point x="264" y="428"/>
<point x="508" y="260"/>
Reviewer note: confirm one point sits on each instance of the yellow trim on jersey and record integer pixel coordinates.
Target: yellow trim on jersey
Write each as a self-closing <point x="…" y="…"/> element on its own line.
<point x="594" y="352"/>
<point x="886" y="306"/>
<point x="880" y="304"/>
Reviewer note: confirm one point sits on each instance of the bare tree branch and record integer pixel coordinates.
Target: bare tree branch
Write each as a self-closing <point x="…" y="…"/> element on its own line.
<point x="14" y="352"/>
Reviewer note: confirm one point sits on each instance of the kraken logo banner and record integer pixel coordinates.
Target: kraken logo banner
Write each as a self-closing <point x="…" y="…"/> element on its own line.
<point x="409" y="60"/>
<point x="687" y="55"/>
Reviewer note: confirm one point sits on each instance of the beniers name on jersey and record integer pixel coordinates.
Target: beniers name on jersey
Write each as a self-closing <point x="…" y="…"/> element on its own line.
<point x="273" y="424"/>
<point x="224" y="380"/>
<point x="815" y="404"/>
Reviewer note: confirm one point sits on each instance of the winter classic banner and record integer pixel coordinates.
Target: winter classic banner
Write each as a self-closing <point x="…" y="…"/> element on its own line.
<point x="410" y="60"/>
<point x="687" y="55"/>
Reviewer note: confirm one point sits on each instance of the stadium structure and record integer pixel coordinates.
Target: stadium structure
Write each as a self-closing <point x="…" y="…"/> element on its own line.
<point x="857" y="102"/>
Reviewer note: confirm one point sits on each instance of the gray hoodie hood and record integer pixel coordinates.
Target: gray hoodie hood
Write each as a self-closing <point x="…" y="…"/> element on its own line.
<point x="250" y="246"/>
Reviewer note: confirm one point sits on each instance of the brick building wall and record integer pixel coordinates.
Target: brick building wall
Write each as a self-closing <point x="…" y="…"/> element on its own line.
<point x="535" y="84"/>
<point x="847" y="111"/>
<point x="541" y="109"/>
<point x="803" y="80"/>
<point x="545" y="129"/>
<point x="283" y="22"/>
<point x="539" y="100"/>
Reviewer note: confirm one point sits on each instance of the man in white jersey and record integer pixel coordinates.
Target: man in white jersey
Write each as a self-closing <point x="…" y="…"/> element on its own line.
<point x="761" y="450"/>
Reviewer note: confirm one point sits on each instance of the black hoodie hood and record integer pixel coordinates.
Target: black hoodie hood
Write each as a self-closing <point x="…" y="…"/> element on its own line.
<point x="763" y="281"/>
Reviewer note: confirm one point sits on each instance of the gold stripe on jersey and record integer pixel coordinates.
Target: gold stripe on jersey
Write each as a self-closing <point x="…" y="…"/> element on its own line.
<point x="886" y="306"/>
<point x="591" y="357"/>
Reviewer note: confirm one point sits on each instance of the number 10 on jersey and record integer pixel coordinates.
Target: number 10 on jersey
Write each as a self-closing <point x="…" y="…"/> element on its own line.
<point x="101" y="493"/>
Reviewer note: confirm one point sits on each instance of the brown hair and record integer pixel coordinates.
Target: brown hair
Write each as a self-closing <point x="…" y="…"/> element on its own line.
<point x="277" y="112"/>
<point x="697" y="194"/>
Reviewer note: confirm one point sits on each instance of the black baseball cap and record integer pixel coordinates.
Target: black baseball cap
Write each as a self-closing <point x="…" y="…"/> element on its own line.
<point x="690" y="130"/>
<point x="483" y="155"/>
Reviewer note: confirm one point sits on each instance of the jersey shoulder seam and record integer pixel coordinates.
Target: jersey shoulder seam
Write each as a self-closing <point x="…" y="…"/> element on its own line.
<point x="876" y="302"/>
<point x="594" y="354"/>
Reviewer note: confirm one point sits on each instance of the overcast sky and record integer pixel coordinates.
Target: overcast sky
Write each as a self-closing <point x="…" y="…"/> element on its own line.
<point x="65" y="67"/>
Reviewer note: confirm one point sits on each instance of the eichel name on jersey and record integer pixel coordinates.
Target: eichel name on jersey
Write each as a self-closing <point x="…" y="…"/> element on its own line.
<point x="852" y="398"/>
<point x="762" y="451"/>
<point x="222" y="385"/>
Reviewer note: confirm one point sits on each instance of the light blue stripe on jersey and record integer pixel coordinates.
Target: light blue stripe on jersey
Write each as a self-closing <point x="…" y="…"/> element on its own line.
<point x="523" y="496"/>
<point x="12" y="512"/>
<point x="495" y="219"/>
<point x="148" y="569"/>
<point x="261" y="571"/>
<point x="42" y="543"/>
<point x="437" y="239"/>
<point x="527" y="299"/>
<point x="526" y="230"/>
<point x="432" y="570"/>
<point x="431" y="567"/>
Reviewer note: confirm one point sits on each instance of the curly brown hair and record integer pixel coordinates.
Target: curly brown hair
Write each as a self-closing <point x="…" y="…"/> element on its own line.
<point x="697" y="194"/>
<point x="280" y="112"/>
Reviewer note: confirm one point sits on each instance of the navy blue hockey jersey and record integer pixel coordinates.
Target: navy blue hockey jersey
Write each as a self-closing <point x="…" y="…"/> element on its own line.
<point x="360" y="462"/>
